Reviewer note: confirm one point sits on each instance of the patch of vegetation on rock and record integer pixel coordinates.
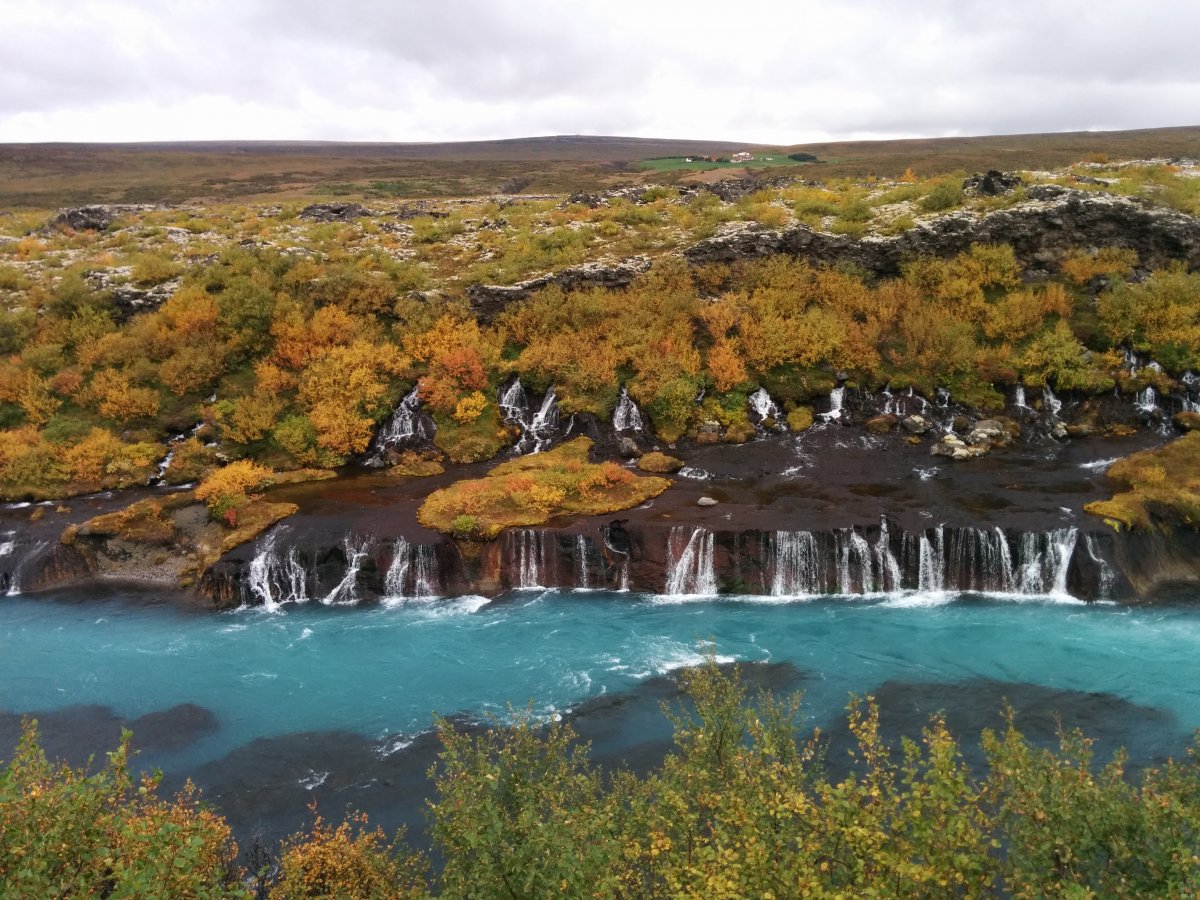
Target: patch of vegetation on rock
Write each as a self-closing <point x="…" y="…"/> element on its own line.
<point x="800" y="418"/>
<point x="1161" y="486"/>
<point x="659" y="463"/>
<point x="411" y="464"/>
<point x="533" y="489"/>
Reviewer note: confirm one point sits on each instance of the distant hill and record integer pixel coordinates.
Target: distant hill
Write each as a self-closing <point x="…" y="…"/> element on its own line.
<point x="51" y="175"/>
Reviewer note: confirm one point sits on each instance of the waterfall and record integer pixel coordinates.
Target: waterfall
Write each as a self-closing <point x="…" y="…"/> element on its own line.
<point x="1107" y="575"/>
<point x="413" y="573"/>
<point x="1050" y="403"/>
<point x="273" y="579"/>
<point x="14" y="578"/>
<point x="931" y="574"/>
<point x="529" y="551"/>
<point x="1146" y="401"/>
<point x="1019" y="397"/>
<point x="514" y="405"/>
<point x="795" y="564"/>
<point x="980" y="559"/>
<point x="886" y="564"/>
<point x="345" y="592"/>
<point x="627" y="416"/>
<point x="406" y="426"/>
<point x="941" y="398"/>
<point x="536" y="432"/>
<point x="854" y="563"/>
<point x="690" y="562"/>
<point x="836" y="397"/>
<point x="545" y="423"/>
<point x="764" y="409"/>
<point x="582" y="575"/>
<point x="1044" y="560"/>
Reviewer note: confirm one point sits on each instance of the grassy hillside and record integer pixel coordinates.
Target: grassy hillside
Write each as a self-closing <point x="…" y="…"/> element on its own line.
<point x="46" y="175"/>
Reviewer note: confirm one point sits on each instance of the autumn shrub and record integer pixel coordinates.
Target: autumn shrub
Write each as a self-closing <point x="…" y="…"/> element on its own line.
<point x="230" y="488"/>
<point x="65" y="833"/>
<point x="349" y="860"/>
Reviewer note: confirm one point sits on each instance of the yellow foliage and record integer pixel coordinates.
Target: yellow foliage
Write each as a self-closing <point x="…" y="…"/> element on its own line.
<point x="469" y="408"/>
<point x="233" y="484"/>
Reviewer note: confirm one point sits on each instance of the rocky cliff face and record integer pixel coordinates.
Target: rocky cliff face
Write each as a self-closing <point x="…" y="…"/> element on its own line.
<point x="1041" y="231"/>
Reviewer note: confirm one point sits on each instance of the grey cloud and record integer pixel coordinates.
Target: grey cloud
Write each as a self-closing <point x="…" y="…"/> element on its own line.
<point x="779" y="72"/>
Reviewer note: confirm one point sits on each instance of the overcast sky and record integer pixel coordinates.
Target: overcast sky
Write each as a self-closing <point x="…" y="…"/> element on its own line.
<point x="766" y="71"/>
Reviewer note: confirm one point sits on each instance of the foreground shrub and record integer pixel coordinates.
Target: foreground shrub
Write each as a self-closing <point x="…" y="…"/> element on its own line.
<point x="64" y="833"/>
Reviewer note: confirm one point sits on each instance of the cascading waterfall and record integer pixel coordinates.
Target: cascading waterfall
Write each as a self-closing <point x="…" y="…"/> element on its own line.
<point x="514" y="405"/>
<point x="345" y="592"/>
<point x="413" y="573"/>
<point x="836" y="398"/>
<point x="582" y="575"/>
<point x="15" y="577"/>
<point x="854" y="563"/>
<point x="1107" y="576"/>
<point x="980" y="560"/>
<point x="690" y="569"/>
<point x="1044" y="561"/>
<point x="796" y="563"/>
<point x="274" y="578"/>
<point x="1191" y="385"/>
<point x="537" y="431"/>
<point x="931" y="574"/>
<point x="1050" y="403"/>
<point x="1019" y="397"/>
<point x="1147" y="401"/>
<point x="528" y="544"/>
<point x="890" y="575"/>
<point x="765" y="410"/>
<point x="627" y="416"/>
<point x="800" y="563"/>
<point x="406" y="426"/>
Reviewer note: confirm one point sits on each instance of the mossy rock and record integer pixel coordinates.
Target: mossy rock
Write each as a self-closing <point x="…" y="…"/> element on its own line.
<point x="800" y="418"/>
<point x="659" y="463"/>
<point x="1187" y="421"/>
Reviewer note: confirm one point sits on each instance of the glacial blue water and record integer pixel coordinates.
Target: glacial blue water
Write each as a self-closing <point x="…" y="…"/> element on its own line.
<point x="384" y="670"/>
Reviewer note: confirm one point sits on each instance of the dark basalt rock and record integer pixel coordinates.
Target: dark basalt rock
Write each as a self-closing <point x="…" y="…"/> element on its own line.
<point x="334" y="212"/>
<point x="1041" y="232"/>
<point x="488" y="300"/>
<point x="993" y="184"/>
<point x="92" y="218"/>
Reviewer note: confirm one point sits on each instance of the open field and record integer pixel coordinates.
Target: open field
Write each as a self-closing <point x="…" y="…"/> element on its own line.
<point x="50" y="175"/>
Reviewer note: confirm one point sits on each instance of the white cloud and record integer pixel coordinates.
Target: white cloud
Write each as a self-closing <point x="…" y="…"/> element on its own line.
<point x="769" y="71"/>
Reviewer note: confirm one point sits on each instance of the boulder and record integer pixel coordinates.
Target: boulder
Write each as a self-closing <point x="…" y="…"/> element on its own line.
<point x="881" y="424"/>
<point x="334" y="212"/>
<point x="628" y="447"/>
<point x="915" y="424"/>
<point x="707" y="501"/>
<point x="1187" y="421"/>
<point x="993" y="184"/>
<point x="953" y="447"/>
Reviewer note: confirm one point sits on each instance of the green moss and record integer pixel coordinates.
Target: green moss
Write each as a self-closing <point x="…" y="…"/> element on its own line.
<point x="1160" y="486"/>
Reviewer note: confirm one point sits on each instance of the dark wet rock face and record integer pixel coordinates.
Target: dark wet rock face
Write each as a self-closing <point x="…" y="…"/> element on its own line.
<point x="1040" y="714"/>
<point x="75" y="734"/>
